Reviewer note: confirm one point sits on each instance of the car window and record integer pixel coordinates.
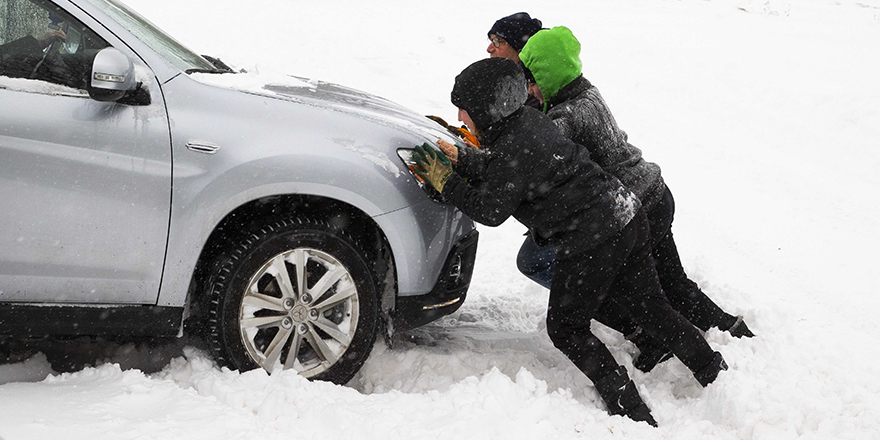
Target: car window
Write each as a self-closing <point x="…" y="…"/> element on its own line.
<point x="175" y="53"/>
<point x="39" y="41"/>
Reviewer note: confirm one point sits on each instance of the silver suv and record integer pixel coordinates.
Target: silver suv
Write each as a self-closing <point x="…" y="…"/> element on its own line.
<point x="145" y="187"/>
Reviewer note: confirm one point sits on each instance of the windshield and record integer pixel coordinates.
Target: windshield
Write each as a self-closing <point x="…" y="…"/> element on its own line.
<point x="162" y="43"/>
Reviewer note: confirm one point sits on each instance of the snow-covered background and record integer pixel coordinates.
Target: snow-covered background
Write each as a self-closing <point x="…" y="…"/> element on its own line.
<point x="765" y="117"/>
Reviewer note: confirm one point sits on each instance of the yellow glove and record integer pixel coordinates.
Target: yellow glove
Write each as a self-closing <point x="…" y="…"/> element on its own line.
<point x="432" y="166"/>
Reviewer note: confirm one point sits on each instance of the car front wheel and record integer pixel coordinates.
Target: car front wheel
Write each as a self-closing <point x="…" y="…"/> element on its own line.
<point x="294" y="293"/>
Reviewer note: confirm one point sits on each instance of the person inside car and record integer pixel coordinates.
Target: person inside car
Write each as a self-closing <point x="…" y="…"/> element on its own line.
<point x="528" y="170"/>
<point x="39" y="58"/>
<point x="30" y="44"/>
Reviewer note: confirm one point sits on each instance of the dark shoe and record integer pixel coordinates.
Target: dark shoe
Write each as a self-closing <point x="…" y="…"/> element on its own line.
<point x="651" y="352"/>
<point x="739" y="329"/>
<point x="622" y="398"/>
<point x="710" y="372"/>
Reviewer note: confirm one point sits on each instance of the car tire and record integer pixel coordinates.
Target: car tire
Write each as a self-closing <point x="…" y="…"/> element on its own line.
<point x="294" y="282"/>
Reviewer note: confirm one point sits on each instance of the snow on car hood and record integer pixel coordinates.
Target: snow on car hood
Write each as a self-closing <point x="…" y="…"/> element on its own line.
<point x="327" y="95"/>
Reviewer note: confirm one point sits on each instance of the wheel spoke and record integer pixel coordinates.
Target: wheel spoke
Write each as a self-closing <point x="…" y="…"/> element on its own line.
<point x="262" y="322"/>
<point x="295" y="344"/>
<point x="283" y="277"/>
<point x="340" y="295"/>
<point x="300" y="259"/>
<point x="273" y="351"/>
<point x="261" y="301"/>
<point x="321" y="347"/>
<point x="333" y="330"/>
<point x="327" y="281"/>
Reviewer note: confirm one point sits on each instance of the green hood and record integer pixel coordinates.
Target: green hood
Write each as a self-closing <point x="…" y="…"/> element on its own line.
<point x="553" y="57"/>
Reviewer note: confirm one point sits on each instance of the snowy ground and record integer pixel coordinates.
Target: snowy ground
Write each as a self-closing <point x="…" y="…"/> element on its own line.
<point x="765" y="118"/>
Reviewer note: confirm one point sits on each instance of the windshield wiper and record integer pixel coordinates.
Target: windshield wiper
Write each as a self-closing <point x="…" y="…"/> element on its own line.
<point x="208" y="71"/>
<point x="219" y="66"/>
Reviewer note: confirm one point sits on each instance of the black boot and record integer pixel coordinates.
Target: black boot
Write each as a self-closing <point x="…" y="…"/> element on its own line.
<point x="622" y="398"/>
<point x="708" y="373"/>
<point x="651" y="351"/>
<point x="739" y="329"/>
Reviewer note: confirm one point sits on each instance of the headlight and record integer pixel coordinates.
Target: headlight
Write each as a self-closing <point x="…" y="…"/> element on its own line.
<point x="406" y="155"/>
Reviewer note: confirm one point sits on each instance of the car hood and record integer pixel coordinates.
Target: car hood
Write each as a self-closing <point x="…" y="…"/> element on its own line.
<point x="330" y="96"/>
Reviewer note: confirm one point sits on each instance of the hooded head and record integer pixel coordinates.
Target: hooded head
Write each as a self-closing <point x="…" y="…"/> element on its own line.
<point x="553" y="58"/>
<point x="490" y="90"/>
<point x="516" y="29"/>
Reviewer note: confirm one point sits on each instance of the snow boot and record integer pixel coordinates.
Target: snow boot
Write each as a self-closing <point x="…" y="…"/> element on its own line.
<point x="709" y="373"/>
<point x="622" y="398"/>
<point x="651" y="351"/>
<point x="739" y="329"/>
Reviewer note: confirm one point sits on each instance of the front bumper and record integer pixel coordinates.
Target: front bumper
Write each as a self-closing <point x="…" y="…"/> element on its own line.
<point x="448" y="293"/>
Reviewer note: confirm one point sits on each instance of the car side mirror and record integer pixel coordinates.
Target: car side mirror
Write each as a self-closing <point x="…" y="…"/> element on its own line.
<point x="112" y="76"/>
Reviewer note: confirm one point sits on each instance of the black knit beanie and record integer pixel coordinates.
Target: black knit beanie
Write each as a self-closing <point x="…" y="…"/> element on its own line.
<point x="490" y="90"/>
<point x="516" y="29"/>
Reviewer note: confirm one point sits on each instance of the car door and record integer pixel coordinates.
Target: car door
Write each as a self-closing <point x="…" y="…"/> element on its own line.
<point x="85" y="186"/>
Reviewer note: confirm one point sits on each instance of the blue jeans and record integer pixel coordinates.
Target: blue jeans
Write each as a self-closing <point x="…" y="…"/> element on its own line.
<point x="536" y="262"/>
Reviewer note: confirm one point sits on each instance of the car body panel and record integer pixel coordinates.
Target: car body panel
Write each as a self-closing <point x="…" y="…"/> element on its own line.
<point x="419" y="262"/>
<point x="74" y="170"/>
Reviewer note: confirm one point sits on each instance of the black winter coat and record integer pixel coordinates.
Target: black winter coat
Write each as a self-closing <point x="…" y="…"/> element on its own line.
<point x="527" y="169"/>
<point x="584" y="117"/>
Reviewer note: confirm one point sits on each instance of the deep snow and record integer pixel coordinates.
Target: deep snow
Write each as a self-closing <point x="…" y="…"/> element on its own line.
<point x="764" y="117"/>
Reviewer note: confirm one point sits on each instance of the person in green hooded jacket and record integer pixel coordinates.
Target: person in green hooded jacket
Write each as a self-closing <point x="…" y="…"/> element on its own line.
<point x="551" y="61"/>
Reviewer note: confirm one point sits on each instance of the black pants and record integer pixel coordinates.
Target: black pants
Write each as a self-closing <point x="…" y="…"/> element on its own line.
<point x="622" y="269"/>
<point x="684" y="294"/>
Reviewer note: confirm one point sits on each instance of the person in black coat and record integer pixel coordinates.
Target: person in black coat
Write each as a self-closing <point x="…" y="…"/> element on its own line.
<point x="528" y="170"/>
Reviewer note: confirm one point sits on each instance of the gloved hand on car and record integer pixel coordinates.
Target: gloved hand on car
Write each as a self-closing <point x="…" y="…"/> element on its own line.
<point x="432" y="166"/>
<point x="461" y="132"/>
